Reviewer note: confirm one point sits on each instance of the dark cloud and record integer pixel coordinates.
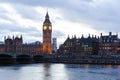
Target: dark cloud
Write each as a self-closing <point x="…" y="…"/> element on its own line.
<point x="29" y="33"/>
<point x="27" y="11"/>
<point x="32" y="2"/>
<point x="102" y="15"/>
<point x="17" y="28"/>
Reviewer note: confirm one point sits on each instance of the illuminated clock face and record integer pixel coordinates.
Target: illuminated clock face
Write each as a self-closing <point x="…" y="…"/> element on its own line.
<point x="45" y="27"/>
<point x="50" y="28"/>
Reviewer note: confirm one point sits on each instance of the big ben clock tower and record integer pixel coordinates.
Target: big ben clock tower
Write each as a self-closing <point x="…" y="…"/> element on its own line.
<point x="47" y="35"/>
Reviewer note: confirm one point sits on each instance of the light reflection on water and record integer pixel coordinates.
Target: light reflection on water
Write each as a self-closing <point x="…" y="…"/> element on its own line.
<point x="60" y="72"/>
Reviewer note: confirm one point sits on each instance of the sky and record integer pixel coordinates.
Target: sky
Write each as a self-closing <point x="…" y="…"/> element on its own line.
<point x="68" y="17"/>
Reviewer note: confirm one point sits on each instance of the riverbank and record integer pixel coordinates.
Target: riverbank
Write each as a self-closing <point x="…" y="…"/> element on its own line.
<point x="72" y="60"/>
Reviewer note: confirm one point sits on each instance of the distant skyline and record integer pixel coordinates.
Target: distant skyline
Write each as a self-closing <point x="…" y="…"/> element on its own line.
<point x="68" y="17"/>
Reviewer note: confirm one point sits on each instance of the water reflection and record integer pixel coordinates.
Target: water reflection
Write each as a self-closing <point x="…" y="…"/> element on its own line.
<point x="47" y="71"/>
<point x="93" y="72"/>
<point x="55" y="72"/>
<point x="60" y="72"/>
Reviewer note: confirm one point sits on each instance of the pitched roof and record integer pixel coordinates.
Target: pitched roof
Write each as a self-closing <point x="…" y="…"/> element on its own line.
<point x="47" y="18"/>
<point x="109" y="38"/>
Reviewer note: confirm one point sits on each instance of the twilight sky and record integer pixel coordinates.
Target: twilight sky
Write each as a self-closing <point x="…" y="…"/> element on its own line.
<point x="68" y="17"/>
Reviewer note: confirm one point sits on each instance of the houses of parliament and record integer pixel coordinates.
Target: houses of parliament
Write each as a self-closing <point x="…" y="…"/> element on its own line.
<point x="15" y="44"/>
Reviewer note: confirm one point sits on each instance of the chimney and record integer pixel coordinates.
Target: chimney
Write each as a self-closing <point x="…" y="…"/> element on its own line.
<point x="101" y="34"/>
<point x="110" y="33"/>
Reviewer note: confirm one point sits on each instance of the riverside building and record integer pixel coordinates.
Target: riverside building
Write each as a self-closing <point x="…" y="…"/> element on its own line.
<point x="16" y="45"/>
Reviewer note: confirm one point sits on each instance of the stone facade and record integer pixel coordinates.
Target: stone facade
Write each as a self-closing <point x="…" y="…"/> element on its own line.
<point x="15" y="45"/>
<point x="83" y="46"/>
<point x="54" y="45"/>
<point x="47" y="36"/>
<point x="109" y="44"/>
<point x="103" y="45"/>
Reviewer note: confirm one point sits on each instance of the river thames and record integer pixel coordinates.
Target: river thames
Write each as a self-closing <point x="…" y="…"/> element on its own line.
<point x="46" y="71"/>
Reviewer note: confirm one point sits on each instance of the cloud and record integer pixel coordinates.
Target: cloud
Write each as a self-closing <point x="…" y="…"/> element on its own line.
<point x="27" y="12"/>
<point x="101" y="15"/>
<point x="51" y="3"/>
<point x="17" y="28"/>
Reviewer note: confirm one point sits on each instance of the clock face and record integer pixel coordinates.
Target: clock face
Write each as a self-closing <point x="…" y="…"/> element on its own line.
<point x="45" y="27"/>
<point x="50" y="28"/>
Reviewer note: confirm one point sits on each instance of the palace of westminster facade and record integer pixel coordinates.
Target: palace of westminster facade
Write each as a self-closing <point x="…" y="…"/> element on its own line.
<point x="92" y="45"/>
<point x="103" y="45"/>
<point x="15" y="44"/>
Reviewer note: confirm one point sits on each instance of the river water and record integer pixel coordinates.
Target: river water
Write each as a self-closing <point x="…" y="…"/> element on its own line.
<point x="60" y="72"/>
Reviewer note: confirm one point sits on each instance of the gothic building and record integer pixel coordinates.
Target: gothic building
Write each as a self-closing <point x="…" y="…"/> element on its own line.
<point x="109" y="44"/>
<point x="15" y="44"/>
<point x="103" y="45"/>
<point x="54" y="45"/>
<point x="82" y="46"/>
<point x="47" y="35"/>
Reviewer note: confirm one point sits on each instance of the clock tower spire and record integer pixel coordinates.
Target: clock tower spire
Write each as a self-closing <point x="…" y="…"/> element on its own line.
<point x="47" y="35"/>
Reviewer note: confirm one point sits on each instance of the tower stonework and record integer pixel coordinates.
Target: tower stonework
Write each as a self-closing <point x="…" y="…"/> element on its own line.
<point x="13" y="44"/>
<point x="47" y="35"/>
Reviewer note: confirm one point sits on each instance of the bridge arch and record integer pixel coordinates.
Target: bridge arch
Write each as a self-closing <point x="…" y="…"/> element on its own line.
<point x="6" y="59"/>
<point x="38" y="58"/>
<point x="23" y="58"/>
<point x="5" y="55"/>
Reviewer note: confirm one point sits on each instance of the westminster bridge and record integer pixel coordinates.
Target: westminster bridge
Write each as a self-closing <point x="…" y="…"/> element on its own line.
<point x="17" y="58"/>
